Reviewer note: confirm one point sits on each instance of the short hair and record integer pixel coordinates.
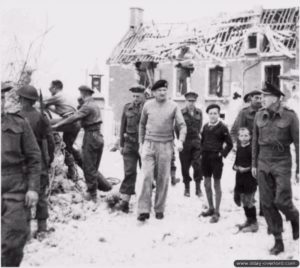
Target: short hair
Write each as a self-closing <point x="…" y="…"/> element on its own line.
<point x="244" y="128"/>
<point x="57" y="84"/>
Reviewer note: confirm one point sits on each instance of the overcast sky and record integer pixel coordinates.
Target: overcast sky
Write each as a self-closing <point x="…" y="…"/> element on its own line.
<point x="85" y="31"/>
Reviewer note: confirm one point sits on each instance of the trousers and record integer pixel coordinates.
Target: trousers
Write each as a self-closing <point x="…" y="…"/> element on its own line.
<point x="156" y="159"/>
<point x="15" y="229"/>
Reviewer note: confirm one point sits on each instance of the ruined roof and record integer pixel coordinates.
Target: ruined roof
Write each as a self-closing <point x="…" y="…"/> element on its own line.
<point x="220" y="38"/>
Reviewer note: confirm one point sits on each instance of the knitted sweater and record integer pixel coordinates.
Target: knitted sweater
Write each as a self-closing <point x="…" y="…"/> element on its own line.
<point x="158" y="119"/>
<point x="213" y="138"/>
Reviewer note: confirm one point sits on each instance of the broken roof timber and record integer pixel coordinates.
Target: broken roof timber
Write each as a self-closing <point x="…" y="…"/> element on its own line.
<point x="218" y="39"/>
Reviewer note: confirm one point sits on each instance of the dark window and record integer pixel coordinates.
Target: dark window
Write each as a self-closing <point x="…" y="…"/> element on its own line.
<point x="271" y="74"/>
<point x="252" y="41"/>
<point x="216" y="81"/>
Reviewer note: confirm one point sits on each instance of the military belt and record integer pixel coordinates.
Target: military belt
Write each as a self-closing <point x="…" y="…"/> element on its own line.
<point x="14" y="196"/>
<point x="93" y="127"/>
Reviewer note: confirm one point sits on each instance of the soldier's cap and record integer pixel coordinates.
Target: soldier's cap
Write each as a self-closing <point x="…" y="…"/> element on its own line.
<point x="28" y="92"/>
<point x="159" y="84"/>
<point x="251" y="94"/>
<point x="6" y="86"/>
<point x="212" y="106"/>
<point x="86" y="88"/>
<point x="137" y="89"/>
<point x="191" y="95"/>
<point x="270" y="89"/>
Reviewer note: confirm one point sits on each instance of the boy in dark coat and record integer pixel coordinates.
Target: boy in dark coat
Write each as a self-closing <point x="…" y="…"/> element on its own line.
<point x="245" y="184"/>
<point x="214" y="135"/>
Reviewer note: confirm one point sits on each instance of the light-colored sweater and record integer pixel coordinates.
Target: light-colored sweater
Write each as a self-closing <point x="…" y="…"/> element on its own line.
<point x="158" y="119"/>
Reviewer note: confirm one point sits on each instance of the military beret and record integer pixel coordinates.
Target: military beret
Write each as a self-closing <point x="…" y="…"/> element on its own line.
<point x="251" y="94"/>
<point x="137" y="89"/>
<point x="86" y="88"/>
<point x="270" y="89"/>
<point x="191" y="95"/>
<point x="5" y="86"/>
<point x="159" y="83"/>
<point x="212" y="106"/>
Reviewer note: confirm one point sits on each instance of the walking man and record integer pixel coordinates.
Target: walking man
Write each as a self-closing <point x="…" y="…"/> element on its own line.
<point x="92" y="146"/>
<point x="190" y="155"/>
<point x="129" y="144"/>
<point x="60" y="105"/>
<point x="156" y="134"/>
<point x="42" y="130"/>
<point x="275" y="128"/>
<point x="19" y="189"/>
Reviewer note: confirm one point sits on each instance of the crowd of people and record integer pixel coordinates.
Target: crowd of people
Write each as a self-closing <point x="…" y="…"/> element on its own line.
<point x="152" y="126"/>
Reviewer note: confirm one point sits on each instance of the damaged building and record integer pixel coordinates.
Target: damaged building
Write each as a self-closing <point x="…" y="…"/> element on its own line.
<point x="220" y="58"/>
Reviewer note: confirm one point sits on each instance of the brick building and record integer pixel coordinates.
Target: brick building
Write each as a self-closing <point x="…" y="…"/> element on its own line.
<point x="220" y="58"/>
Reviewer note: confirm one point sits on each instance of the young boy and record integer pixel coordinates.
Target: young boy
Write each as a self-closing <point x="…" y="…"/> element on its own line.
<point x="216" y="144"/>
<point x="245" y="184"/>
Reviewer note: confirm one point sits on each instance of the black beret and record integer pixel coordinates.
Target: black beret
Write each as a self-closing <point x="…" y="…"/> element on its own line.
<point x="5" y="86"/>
<point x="137" y="89"/>
<point x="159" y="83"/>
<point x="86" y="88"/>
<point x="191" y="95"/>
<point x="212" y="106"/>
<point x="251" y="94"/>
<point x="270" y="89"/>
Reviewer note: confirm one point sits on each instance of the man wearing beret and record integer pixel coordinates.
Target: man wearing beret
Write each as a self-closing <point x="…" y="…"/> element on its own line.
<point x="190" y="155"/>
<point x="19" y="189"/>
<point x="156" y="135"/>
<point x="246" y="116"/>
<point x="92" y="146"/>
<point x="275" y="128"/>
<point x="129" y="144"/>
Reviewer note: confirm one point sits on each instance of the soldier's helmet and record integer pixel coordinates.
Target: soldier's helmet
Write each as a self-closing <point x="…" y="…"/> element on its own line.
<point x="28" y="92"/>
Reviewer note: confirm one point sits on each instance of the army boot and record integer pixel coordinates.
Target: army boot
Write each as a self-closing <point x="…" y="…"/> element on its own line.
<point x="295" y="228"/>
<point x="198" y="189"/>
<point x="278" y="247"/>
<point x="72" y="173"/>
<point x="123" y="206"/>
<point x="143" y="216"/>
<point x="174" y="180"/>
<point x="42" y="225"/>
<point x="187" y="189"/>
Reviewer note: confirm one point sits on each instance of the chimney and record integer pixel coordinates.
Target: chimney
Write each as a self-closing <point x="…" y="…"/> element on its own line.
<point x="136" y="17"/>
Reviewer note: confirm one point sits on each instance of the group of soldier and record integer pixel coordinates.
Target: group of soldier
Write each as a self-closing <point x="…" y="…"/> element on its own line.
<point x="149" y="126"/>
<point x="261" y="137"/>
<point x="27" y="151"/>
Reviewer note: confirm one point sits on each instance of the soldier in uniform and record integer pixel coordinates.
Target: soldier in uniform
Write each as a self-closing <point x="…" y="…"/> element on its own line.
<point x="60" y="105"/>
<point x="20" y="182"/>
<point x="190" y="155"/>
<point x="275" y="128"/>
<point x="42" y="130"/>
<point x="246" y="116"/>
<point x="92" y="146"/>
<point x="129" y="144"/>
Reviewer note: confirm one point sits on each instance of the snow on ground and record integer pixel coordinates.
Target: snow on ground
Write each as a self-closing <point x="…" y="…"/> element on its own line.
<point x="181" y="239"/>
